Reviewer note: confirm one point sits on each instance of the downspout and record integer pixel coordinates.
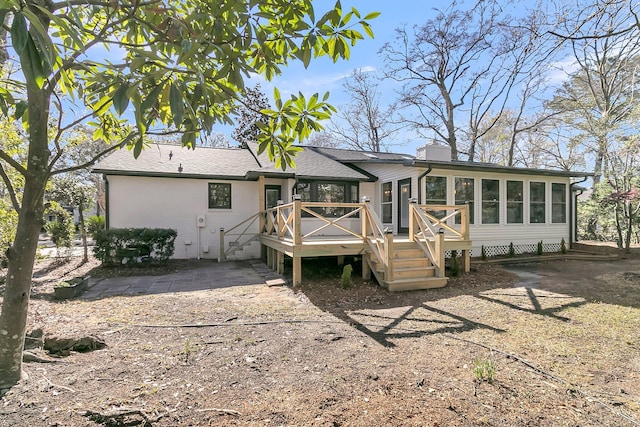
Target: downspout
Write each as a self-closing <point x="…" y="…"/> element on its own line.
<point x="422" y="175"/>
<point x="106" y="201"/>
<point x="573" y="208"/>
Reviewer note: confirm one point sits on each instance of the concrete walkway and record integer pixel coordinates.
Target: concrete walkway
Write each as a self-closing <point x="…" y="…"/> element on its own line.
<point x="209" y="275"/>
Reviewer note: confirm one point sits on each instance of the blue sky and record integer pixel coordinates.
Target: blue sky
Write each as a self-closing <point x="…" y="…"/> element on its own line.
<point x="323" y="75"/>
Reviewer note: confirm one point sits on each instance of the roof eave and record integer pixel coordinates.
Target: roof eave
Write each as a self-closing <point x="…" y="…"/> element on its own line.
<point x="495" y="168"/>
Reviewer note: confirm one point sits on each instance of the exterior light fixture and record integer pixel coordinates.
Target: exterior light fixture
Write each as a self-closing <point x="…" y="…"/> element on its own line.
<point x="180" y="169"/>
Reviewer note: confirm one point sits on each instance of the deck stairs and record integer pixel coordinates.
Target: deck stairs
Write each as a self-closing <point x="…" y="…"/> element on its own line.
<point x="409" y="269"/>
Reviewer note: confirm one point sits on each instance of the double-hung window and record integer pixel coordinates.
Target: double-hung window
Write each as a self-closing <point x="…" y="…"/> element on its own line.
<point x="537" y="202"/>
<point x="464" y="196"/>
<point x="515" y="202"/>
<point x="558" y="203"/>
<point x="490" y="201"/>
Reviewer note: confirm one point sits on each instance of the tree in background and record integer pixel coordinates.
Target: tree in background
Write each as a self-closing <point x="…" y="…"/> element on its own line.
<point x="459" y="69"/>
<point x="70" y="190"/>
<point x="177" y="68"/>
<point x="322" y="139"/>
<point x="250" y="114"/>
<point x="362" y="125"/>
<point x="12" y="141"/>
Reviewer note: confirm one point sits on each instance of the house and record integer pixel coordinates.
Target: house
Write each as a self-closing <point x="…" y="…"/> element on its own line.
<point x="234" y="204"/>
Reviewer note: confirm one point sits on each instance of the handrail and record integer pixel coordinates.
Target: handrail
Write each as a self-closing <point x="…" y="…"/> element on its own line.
<point x="235" y="244"/>
<point x="429" y="232"/>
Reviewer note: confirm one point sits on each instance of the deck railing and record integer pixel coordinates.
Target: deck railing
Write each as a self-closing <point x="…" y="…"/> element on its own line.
<point x="284" y="222"/>
<point x="430" y="231"/>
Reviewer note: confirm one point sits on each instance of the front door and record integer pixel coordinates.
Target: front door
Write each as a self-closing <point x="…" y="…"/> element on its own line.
<point x="272" y="193"/>
<point x="404" y="192"/>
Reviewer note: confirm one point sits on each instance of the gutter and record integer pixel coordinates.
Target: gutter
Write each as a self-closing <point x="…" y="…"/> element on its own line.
<point x="573" y="207"/>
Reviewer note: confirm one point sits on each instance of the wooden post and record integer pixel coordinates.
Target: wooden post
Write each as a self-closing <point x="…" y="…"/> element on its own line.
<point x="388" y="253"/>
<point x="340" y="259"/>
<point x="464" y="222"/>
<point x="221" y="254"/>
<point x="439" y="249"/>
<point x="297" y="271"/>
<point x="269" y="257"/>
<point x="280" y="262"/>
<point x="364" y="217"/>
<point x="466" y="260"/>
<point x="413" y="226"/>
<point x="297" y="220"/>
<point x="366" y="269"/>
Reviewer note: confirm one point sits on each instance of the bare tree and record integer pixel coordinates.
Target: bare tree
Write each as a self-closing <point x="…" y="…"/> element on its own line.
<point x="249" y="113"/>
<point x="460" y="67"/>
<point x="323" y="139"/>
<point x="363" y="124"/>
<point x="598" y="100"/>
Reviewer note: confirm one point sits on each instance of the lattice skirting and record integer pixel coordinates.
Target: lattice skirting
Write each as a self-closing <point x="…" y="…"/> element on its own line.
<point x="502" y="250"/>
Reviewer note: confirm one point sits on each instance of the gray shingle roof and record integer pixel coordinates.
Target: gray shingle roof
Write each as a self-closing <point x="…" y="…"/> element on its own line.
<point x="229" y="163"/>
<point x="354" y="156"/>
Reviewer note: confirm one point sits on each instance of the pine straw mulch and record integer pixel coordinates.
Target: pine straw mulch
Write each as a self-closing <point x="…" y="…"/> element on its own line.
<point x="565" y="348"/>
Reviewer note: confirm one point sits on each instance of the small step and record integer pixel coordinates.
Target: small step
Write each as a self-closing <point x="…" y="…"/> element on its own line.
<point x="416" y="284"/>
<point x="412" y="262"/>
<point x="414" y="273"/>
<point x="415" y="252"/>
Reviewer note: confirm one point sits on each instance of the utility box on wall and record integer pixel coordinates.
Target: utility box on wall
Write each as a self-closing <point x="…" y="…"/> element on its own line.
<point x="201" y="220"/>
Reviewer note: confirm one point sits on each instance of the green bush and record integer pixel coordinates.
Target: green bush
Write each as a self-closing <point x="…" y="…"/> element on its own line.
<point x="512" y="250"/>
<point x="540" y="247"/>
<point x="131" y="246"/>
<point x="483" y="253"/>
<point x="95" y="223"/>
<point x="563" y="246"/>
<point x="62" y="229"/>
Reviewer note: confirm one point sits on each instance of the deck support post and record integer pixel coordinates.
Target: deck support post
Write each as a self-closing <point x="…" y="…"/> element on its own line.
<point x="366" y="269"/>
<point x="340" y="259"/>
<point x="297" y="271"/>
<point x="439" y="253"/>
<point x="280" y="262"/>
<point x="466" y="260"/>
<point x="413" y="226"/>
<point x="221" y="253"/>
<point x="269" y="257"/>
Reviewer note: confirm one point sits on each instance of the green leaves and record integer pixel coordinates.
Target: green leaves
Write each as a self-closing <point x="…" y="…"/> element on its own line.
<point x="181" y="67"/>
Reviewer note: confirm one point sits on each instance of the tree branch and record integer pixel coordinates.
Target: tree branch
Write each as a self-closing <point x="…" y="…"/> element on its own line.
<point x="98" y="156"/>
<point x="14" y="164"/>
<point x="12" y="192"/>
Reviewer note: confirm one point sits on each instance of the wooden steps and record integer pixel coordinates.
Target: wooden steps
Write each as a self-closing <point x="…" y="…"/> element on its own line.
<point x="411" y="269"/>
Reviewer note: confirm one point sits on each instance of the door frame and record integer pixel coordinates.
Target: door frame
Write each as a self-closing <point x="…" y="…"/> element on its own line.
<point x="403" y="206"/>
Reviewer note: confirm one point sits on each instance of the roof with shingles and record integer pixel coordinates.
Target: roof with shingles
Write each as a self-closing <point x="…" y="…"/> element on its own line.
<point x="349" y="156"/>
<point x="164" y="160"/>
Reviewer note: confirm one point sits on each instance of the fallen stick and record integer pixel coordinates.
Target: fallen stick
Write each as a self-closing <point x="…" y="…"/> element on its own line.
<point x="221" y="410"/>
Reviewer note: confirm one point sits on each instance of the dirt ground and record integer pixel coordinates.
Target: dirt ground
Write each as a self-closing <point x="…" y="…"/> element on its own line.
<point x="558" y="347"/>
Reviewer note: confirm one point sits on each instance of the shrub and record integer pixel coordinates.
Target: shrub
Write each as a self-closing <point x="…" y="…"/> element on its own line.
<point x="130" y="246"/>
<point x="512" y="250"/>
<point x="346" y="276"/>
<point x="563" y="246"/>
<point x="540" y="247"/>
<point x="62" y="229"/>
<point x="455" y="267"/>
<point x="483" y="253"/>
<point x="95" y="223"/>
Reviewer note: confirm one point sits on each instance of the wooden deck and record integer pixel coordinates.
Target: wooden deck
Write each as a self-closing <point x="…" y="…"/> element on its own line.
<point x="415" y="261"/>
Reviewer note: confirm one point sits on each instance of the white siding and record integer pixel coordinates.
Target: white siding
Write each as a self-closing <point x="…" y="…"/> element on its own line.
<point x="524" y="236"/>
<point x="175" y="203"/>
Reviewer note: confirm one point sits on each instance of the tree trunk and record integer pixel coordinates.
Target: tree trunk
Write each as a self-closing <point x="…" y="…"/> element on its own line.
<point x="83" y="233"/>
<point x="21" y="255"/>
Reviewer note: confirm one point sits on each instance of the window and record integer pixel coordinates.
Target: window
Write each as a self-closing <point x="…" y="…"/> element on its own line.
<point x="271" y="195"/>
<point x="219" y="196"/>
<point x="537" y="202"/>
<point x="328" y="192"/>
<point x="558" y="203"/>
<point x="387" y="202"/>
<point x="515" y="202"/>
<point x="464" y="196"/>
<point x="490" y="201"/>
<point x="436" y="192"/>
